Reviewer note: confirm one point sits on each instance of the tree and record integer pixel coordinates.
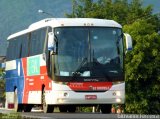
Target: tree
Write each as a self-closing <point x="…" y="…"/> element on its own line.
<point x="143" y="63"/>
<point x="2" y="86"/>
<point x="118" y="10"/>
<point x="143" y="69"/>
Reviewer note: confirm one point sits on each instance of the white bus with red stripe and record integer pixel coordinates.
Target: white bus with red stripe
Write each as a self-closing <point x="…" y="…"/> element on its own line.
<point x="65" y="63"/>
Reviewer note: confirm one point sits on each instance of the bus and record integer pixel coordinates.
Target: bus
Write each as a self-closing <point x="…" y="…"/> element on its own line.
<point x="66" y="63"/>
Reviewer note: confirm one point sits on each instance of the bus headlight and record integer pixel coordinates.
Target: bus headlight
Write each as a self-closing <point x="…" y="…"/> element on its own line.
<point x="60" y="100"/>
<point x="118" y="100"/>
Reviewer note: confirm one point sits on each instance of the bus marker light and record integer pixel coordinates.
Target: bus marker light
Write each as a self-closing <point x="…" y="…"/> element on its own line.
<point x="60" y="100"/>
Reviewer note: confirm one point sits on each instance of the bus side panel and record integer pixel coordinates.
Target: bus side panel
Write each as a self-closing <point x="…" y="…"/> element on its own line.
<point x="35" y="73"/>
<point x="14" y="79"/>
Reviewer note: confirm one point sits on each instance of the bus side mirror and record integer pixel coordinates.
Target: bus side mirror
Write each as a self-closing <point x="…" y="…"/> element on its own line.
<point x="51" y="41"/>
<point x="128" y="42"/>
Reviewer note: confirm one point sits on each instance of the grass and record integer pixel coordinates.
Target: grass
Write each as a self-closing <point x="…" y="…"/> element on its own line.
<point x="10" y="116"/>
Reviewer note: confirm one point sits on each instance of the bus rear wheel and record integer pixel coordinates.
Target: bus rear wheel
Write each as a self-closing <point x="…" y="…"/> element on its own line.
<point x="17" y="107"/>
<point x="46" y="107"/>
<point x="27" y="108"/>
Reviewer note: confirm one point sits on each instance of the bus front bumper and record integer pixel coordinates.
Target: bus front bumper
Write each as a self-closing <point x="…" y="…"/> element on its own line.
<point x="71" y="97"/>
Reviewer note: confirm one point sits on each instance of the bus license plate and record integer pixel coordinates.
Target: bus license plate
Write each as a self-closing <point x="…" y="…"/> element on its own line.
<point x="90" y="97"/>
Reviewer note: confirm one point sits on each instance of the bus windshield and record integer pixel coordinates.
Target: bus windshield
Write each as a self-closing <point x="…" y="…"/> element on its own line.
<point x="89" y="52"/>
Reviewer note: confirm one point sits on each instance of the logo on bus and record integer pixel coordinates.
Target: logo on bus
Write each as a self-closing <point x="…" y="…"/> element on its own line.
<point x="33" y="66"/>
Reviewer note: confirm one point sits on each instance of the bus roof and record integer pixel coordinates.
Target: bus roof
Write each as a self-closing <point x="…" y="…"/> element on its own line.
<point x="62" y="22"/>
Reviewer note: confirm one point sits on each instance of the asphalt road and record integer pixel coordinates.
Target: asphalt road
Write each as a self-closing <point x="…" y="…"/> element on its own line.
<point x="58" y="115"/>
<point x="69" y="115"/>
<point x="78" y="115"/>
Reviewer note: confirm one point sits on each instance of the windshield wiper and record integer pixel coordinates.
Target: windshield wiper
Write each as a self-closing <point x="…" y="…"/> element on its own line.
<point x="78" y="72"/>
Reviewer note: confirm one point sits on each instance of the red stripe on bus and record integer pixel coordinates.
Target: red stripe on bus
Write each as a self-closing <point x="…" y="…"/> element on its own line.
<point x="90" y="86"/>
<point x="43" y="70"/>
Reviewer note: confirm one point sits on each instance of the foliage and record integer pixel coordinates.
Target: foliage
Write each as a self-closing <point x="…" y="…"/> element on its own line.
<point x="10" y="116"/>
<point x="85" y="109"/>
<point x="142" y="65"/>
<point x="118" y="10"/>
<point x="143" y="69"/>
<point x="1" y="73"/>
<point x="2" y="86"/>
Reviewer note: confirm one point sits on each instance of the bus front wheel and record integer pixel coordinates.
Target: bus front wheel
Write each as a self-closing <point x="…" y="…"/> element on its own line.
<point x="46" y="107"/>
<point x="63" y="108"/>
<point x="72" y="108"/>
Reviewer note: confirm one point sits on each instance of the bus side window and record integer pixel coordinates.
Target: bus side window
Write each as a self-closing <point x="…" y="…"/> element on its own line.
<point x="18" y="51"/>
<point x="17" y="48"/>
<point x="10" y="50"/>
<point x="33" y="44"/>
<point x="24" y="45"/>
<point x="37" y="42"/>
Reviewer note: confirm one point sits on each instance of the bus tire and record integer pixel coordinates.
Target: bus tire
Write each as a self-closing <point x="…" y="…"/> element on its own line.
<point x="71" y="108"/>
<point x="46" y="107"/>
<point x="17" y="107"/>
<point x="63" y="108"/>
<point x="106" y="108"/>
<point x="27" y="108"/>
